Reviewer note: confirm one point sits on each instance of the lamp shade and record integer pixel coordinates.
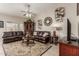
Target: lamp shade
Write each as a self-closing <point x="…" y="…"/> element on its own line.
<point x="56" y="25"/>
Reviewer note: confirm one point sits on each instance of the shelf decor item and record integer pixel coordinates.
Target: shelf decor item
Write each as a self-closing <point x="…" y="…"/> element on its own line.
<point x="48" y="21"/>
<point x="1" y="24"/>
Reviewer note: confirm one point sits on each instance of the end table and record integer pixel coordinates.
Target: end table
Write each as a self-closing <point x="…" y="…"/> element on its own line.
<point x="54" y="39"/>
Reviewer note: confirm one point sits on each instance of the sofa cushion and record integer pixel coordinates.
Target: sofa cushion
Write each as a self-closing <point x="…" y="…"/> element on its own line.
<point x="19" y="33"/>
<point x="7" y="34"/>
<point x="14" y="33"/>
<point x="35" y="33"/>
<point x="40" y="34"/>
<point x="45" y="34"/>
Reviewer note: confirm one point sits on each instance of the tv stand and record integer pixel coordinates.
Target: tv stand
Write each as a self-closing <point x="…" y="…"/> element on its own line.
<point x="66" y="49"/>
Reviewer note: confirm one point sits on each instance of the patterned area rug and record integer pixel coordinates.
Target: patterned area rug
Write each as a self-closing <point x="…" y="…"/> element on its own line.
<point x="21" y="49"/>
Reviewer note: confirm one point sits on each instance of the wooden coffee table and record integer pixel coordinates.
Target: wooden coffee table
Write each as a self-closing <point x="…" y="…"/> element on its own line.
<point x="30" y="40"/>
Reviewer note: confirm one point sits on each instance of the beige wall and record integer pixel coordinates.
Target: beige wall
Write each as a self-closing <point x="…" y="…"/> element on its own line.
<point x="70" y="12"/>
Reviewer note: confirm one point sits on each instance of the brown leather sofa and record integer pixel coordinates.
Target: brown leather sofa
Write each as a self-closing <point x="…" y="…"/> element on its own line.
<point x="12" y="36"/>
<point x="42" y="36"/>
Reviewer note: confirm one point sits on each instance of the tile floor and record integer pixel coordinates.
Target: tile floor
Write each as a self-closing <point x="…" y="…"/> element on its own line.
<point x="1" y="49"/>
<point x="53" y="51"/>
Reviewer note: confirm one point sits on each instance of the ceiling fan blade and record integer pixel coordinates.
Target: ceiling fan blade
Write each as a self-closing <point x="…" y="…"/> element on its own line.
<point x="24" y="14"/>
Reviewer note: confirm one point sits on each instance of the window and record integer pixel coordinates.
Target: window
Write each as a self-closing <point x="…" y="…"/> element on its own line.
<point x="21" y="27"/>
<point x="10" y="26"/>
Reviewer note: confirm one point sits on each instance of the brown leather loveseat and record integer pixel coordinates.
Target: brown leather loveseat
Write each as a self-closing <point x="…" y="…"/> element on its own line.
<point x="12" y="36"/>
<point x="42" y="36"/>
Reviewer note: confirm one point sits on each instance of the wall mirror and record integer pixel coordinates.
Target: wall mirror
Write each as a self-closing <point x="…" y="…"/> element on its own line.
<point x="48" y="21"/>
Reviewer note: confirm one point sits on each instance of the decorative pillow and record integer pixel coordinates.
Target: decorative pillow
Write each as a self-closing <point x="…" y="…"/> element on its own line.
<point x="27" y="35"/>
<point x="40" y="34"/>
<point x="45" y="34"/>
<point x="35" y="33"/>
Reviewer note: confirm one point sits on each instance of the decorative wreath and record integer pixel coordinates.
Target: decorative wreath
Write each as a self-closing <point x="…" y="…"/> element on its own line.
<point x="48" y="21"/>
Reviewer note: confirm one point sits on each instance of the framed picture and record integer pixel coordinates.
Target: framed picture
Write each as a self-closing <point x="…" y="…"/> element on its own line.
<point x="1" y="24"/>
<point x="77" y="9"/>
<point x="39" y="24"/>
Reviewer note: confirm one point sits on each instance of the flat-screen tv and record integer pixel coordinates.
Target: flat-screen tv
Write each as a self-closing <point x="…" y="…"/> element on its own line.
<point x="68" y="30"/>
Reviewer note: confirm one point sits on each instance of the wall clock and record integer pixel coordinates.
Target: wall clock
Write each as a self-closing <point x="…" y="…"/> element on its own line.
<point x="48" y="21"/>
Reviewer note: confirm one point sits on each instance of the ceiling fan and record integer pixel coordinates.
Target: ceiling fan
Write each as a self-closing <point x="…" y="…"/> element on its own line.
<point x="27" y="12"/>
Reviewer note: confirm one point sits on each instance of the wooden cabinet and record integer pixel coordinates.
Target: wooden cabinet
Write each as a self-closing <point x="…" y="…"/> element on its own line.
<point x="29" y="26"/>
<point x="68" y="50"/>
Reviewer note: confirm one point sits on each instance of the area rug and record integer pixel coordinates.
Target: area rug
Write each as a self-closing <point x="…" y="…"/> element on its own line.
<point x="21" y="49"/>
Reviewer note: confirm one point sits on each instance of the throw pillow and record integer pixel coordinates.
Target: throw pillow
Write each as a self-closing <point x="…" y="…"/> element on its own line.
<point x="45" y="34"/>
<point x="35" y="33"/>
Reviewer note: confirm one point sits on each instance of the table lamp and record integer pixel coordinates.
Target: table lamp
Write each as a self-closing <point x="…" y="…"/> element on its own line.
<point x="56" y="27"/>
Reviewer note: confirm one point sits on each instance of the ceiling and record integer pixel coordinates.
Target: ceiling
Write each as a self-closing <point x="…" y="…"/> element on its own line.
<point x="14" y="9"/>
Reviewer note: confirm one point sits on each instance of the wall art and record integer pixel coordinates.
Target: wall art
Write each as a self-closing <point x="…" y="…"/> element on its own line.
<point x="48" y="21"/>
<point x="59" y="14"/>
<point x="1" y="24"/>
<point x="40" y="24"/>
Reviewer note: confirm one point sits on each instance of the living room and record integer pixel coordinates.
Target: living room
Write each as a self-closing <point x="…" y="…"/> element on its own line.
<point x="50" y="20"/>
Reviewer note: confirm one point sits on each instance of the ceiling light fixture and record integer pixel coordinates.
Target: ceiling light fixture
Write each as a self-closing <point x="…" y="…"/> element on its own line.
<point x="27" y="12"/>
